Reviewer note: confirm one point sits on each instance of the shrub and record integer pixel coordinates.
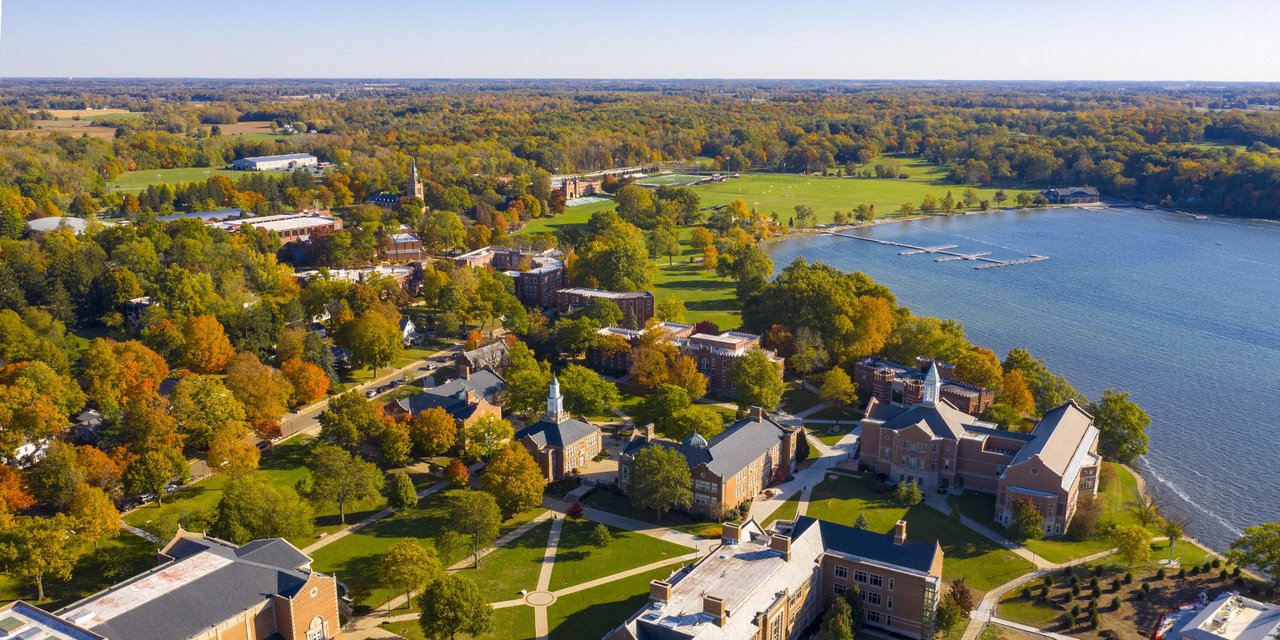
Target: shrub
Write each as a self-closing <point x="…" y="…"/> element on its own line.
<point x="1139" y="594"/>
<point x="1115" y="584"/>
<point x="1075" y="580"/>
<point x="1044" y="592"/>
<point x="1160" y="573"/>
<point x="1093" y="620"/>
<point x="1097" y="592"/>
<point x="1235" y="572"/>
<point x="1128" y="577"/>
<point x="1206" y="566"/>
<point x="1097" y="570"/>
<point x="1069" y="620"/>
<point x="601" y="537"/>
<point x="1026" y="593"/>
<point x="1115" y="604"/>
<point x="1195" y="571"/>
<point x="1075" y="610"/>
<point x="1223" y="575"/>
<point x="576" y="510"/>
<point x="1182" y="573"/>
<point x="1146" y="588"/>
<point x="1093" y="583"/>
<point x="1048" y="580"/>
<point x="1217" y="563"/>
<point x="1075" y="591"/>
<point x="1093" y="605"/>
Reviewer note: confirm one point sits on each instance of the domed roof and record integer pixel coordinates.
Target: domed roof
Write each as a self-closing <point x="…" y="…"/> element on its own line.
<point x="695" y="440"/>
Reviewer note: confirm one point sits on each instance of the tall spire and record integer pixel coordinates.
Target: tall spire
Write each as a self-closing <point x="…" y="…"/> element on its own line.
<point x="932" y="386"/>
<point x="414" y="188"/>
<point x="555" y="403"/>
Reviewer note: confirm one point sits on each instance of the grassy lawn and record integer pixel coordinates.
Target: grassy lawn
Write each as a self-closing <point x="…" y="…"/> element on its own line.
<point x="578" y="560"/>
<point x="983" y="563"/>
<point x="365" y="374"/>
<point x="352" y="558"/>
<point x="509" y="569"/>
<point x="139" y="180"/>
<point x="796" y="398"/>
<point x="510" y="623"/>
<point x="787" y="511"/>
<point x="1115" y="500"/>
<point x="116" y="558"/>
<point x="606" y="500"/>
<point x="595" y="612"/>
<point x="819" y="431"/>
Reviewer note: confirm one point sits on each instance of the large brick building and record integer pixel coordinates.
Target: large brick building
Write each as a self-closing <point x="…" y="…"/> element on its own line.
<point x="772" y="585"/>
<point x="714" y="354"/>
<point x="560" y="444"/>
<point x="204" y="589"/>
<point x="637" y="306"/>
<point x="944" y="449"/>
<point x="890" y="382"/>
<point x="731" y="468"/>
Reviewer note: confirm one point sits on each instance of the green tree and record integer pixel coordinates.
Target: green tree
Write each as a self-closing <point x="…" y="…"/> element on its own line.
<point x="403" y="494"/>
<point x="907" y="493"/>
<point x="662" y="241"/>
<point x="1132" y="543"/>
<point x="43" y="547"/>
<point x="586" y="393"/>
<point x="374" y="340"/>
<point x="670" y="309"/>
<point x="152" y="470"/>
<point x="408" y="566"/>
<point x="396" y="444"/>
<point x="252" y="508"/>
<point x="349" y="420"/>
<point x="1048" y="390"/>
<point x="616" y="259"/>
<point x="837" y="388"/>
<point x="514" y="479"/>
<point x="453" y="605"/>
<point x="1259" y="548"/>
<point x="433" y="432"/>
<point x="340" y="478"/>
<point x="838" y="624"/>
<point x="1173" y="529"/>
<point x="1123" y="426"/>
<point x="660" y="480"/>
<point x="861" y="522"/>
<point x="757" y="379"/>
<point x="486" y="435"/>
<point x="474" y="515"/>
<point x="601" y="537"/>
<point x="527" y="382"/>
<point x="201" y="405"/>
<point x="1026" y="522"/>
<point x="702" y="420"/>
<point x="662" y="407"/>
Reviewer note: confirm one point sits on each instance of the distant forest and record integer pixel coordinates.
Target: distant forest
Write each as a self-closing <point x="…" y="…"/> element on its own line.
<point x="1208" y="148"/>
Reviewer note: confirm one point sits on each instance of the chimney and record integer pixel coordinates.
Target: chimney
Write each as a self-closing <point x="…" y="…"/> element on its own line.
<point x="465" y="371"/>
<point x="779" y="542"/>
<point x="922" y="363"/>
<point x="946" y="370"/>
<point x="732" y="533"/>
<point x="900" y="532"/>
<point x="471" y="396"/>
<point x="715" y="608"/>
<point x="659" y="591"/>
<point x="648" y="432"/>
<point x="757" y="413"/>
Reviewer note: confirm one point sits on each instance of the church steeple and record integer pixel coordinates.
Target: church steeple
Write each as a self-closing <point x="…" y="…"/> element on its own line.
<point x="414" y="188"/>
<point x="932" y="386"/>
<point x="555" y="403"/>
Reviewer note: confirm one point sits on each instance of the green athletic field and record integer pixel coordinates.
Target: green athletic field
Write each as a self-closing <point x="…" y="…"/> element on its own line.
<point x="669" y="180"/>
<point x="139" y="180"/>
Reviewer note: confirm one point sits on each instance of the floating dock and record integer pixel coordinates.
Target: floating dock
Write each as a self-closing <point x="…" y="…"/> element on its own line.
<point x="946" y="250"/>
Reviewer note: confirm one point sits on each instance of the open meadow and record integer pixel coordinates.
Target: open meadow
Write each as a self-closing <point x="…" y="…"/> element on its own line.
<point x="139" y="180"/>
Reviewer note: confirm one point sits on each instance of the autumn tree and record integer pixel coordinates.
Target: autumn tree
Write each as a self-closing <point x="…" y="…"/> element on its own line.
<point x="206" y="348"/>
<point x="264" y="392"/>
<point x="1132" y="543"/>
<point x="201" y="405"/>
<point x="94" y="514"/>
<point x="408" y="566"/>
<point x="486" y="435"/>
<point x="838" y="389"/>
<point x="337" y="477"/>
<point x="514" y="479"/>
<point x="374" y="340"/>
<point x="14" y="493"/>
<point x="433" y="432"/>
<point x="757" y="379"/>
<point x="457" y="474"/>
<point x="231" y="452"/>
<point x="151" y="470"/>
<point x="660" y="480"/>
<point x="586" y="393"/>
<point x="308" y="381"/>
<point x="43" y="547"/>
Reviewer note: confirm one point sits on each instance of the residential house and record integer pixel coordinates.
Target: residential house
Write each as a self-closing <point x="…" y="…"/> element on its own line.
<point x="775" y="584"/>
<point x="560" y="444"/>
<point x="731" y="468"/>
<point x="1071" y="195"/>
<point x="495" y="355"/>
<point x="943" y="448"/>
<point x="408" y="331"/>
<point x="467" y="398"/>
<point x="890" y="383"/>
<point x="636" y="306"/>
<point x="203" y="589"/>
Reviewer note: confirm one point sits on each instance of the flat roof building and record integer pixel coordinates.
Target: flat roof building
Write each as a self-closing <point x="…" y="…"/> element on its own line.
<point x="275" y="163"/>
<point x="1231" y="616"/>
<point x="291" y="227"/>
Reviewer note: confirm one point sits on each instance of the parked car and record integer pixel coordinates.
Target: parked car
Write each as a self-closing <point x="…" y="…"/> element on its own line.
<point x="371" y="393"/>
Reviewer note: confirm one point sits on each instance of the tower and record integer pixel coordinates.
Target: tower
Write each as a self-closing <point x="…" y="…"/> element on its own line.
<point x="932" y="386"/>
<point x="414" y="188"/>
<point x="555" y="404"/>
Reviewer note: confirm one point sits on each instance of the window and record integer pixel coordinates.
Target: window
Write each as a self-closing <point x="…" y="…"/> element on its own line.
<point x="891" y="584"/>
<point x="888" y="621"/>
<point x="775" y="629"/>
<point x="842" y="572"/>
<point x="872" y="617"/>
<point x="875" y="580"/>
<point x="871" y="598"/>
<point x="839" y="589"/>
<point x="889" y="603"/>
<point x="860" y="576"/>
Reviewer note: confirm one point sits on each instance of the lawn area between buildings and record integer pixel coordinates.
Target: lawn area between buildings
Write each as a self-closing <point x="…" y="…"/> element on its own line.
<point x="786" y="511"/>
<point x="578" y="560"/>
<point x="594" y="612"/>
<point x="605" y="499"/>
<point x="1119" y="492"/>
<point x="510" y="623"/>
<point x="981" y="562"/>
<point x="352" y="558"/>
<point x="510" y="568"/>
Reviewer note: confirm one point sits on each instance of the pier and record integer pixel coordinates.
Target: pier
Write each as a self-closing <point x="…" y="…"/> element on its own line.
<point x="946" y="250"/>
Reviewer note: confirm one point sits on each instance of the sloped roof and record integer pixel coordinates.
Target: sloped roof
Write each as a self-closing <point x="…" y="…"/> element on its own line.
<point x="493" y="354"/>
<point x="546" y="433"/>
<point x="1058" y="436"/>
<point x="731" y="450"/>
<point x="879" y="547"/>
<point x="942" y="419"/>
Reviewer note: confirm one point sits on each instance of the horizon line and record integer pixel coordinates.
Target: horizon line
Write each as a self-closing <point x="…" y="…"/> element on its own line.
<point x="641" y="79"/>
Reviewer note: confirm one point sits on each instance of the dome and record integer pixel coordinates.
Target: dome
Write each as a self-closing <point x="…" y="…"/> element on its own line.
<point x="696" y="441"/>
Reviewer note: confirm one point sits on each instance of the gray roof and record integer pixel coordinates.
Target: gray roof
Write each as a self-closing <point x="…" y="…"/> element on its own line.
<point x="452" y="395"/>
<point x="286" y="156"/>
<point x="546" y="433"/>
<point x="208" y="582"/>
<point x="731" y="450"/>
<point x="52" y="223"/>
<point x="1057" y="437"/>
<point x="220" y="214"/>
<point x="942" y="419"/>
<point x="494" y="354"/>
<point x="868" y="544"/>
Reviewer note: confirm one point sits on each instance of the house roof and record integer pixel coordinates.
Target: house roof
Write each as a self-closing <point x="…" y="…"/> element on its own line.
<point x="1074" y="191"/>
<point x="877" y="547"/>
<point x="208" y="582"/>
<point x="545" y="433"/>
<point x="731" y="450"/>
<point x="452" y="395"/>
<point x="942" y="419"/>
<point x="1062" y="440"/>
<point x="490" y="355"/>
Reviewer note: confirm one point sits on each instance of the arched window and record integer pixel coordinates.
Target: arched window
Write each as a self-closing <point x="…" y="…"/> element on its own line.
<point x="318" y="630"/>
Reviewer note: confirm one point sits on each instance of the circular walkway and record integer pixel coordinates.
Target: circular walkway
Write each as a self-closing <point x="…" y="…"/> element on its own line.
<point x="539" y="598"/>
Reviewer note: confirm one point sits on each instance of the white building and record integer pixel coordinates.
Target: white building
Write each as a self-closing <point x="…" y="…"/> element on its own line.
<point x="275" y="163"/>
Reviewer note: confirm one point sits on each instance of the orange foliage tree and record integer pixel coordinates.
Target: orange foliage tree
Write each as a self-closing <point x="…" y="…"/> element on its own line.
<point x="206" y="347"/>
<point x="309" y="381"/>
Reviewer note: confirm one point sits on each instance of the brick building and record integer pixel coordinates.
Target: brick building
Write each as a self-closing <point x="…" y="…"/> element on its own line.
<point x="772" y="585"/>
<point x="203" y="589"/>
<point x="944" y="449"/>
<point x="637" y="306"/>
<point x="714" y="354"/>
<point x="290" y="227"/>
<point x="731" y="468"/>
<point x="467" y="398"/>
<point x="890" y="382"/>
<point x="558" y="443"/>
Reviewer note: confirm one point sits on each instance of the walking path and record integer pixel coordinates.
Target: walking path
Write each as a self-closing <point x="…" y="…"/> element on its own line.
<point x="805" y="479"/>
<point x="542" y="598"/>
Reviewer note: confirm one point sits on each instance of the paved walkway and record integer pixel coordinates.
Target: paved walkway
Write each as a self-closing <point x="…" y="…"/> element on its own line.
<point x="939" y="503"/>
<point x="805" y="479"/>
<point x="540" y="626"/>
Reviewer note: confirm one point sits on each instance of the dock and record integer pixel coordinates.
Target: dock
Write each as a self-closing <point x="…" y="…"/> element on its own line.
<point x="946" y="250"/>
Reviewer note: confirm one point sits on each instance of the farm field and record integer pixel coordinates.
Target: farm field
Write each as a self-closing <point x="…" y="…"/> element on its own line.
<point x="103" y="115"/>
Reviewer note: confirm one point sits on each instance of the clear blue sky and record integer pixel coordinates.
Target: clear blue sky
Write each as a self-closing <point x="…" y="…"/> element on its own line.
<point x="907" y="39"/>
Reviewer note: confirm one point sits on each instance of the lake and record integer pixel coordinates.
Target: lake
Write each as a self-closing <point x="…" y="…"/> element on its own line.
<point x="1183" y="313"/>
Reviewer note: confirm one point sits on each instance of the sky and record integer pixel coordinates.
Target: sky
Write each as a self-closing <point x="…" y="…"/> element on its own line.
<point x="1219" y="40"/>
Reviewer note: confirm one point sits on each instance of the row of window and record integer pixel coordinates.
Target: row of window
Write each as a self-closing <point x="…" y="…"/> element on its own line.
<point x="869" y="597"/>
<point x="859" y="576"/>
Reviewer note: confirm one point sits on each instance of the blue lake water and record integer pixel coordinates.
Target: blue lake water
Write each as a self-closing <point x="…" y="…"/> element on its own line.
<point x="1183" y="313"/>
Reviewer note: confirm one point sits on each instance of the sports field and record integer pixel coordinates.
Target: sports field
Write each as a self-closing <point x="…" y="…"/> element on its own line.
<point x="669" y="180"/>
<point x="138" y="180"/>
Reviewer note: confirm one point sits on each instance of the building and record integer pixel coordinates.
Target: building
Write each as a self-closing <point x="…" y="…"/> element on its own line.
<point x="1230" y="616"/>
<point x="731" y="468"/>
<point x="637" y="306"/>
<point x="715" y="354"/>
<point x="537" y="285"/>
<point x="495" y="355"/>
<point x="772" y="585"/>
<point x="206" y="216"/>
<point x="890" y="382"/>
<point x="558" y="443"/>
<point x="408" y="330"/>
<point x="413" y="189"/>
<point x="403" y="246"/>
<point x="291" y="227"/>
<point x="1071" y="195"/>
<point x="577" y="187"/>
<point x="276" y="163"/>
<point x="944" y="449"/>
<point x="204" y="589"/>
<point x="403" y="275"/>
<point x="53" y="223"/>
<point x="467" y="399"/>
